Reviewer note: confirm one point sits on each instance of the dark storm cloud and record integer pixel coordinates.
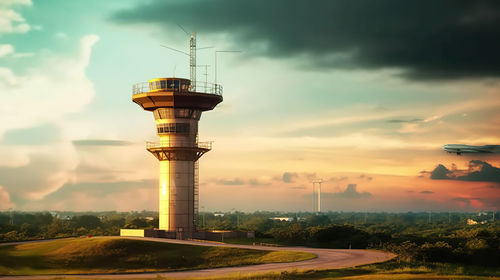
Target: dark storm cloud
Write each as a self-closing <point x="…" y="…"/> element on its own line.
<point x="440" y="172"/>
<point x="230" y="182"/>
<point x="289" y="177"/>
<point x="351" y="192"/>
<point x="481" y="171"/>
<point x="405" y="121"/>
<point x="100" y="142"/>
<point x="478" y="171"/>
<point x="430" y="39"/>
<point x="426" y="192"/>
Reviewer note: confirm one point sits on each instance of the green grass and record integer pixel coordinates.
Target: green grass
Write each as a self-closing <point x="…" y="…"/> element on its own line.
<point x="118" y="255"/>
<point x="324" y="275"/>
<point x="391" y="270"/>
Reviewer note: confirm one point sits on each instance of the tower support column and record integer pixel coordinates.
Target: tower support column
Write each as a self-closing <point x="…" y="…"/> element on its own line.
<point x="177" y="196"/>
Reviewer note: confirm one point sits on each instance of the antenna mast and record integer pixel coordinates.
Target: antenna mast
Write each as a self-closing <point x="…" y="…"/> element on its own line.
<point x="192" y="60"/>
<point x="317" y="201"/>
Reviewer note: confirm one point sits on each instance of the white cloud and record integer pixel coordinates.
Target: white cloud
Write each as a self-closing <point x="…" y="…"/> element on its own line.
<point x="20" y="55"/>
<point x="7" y="77"/>
<point x="61" y="35"/>
<point x="7" y="3"/>
<point x="6" y="49"/>
<point x="10" y="20"/>
<point x="47" y="93"/>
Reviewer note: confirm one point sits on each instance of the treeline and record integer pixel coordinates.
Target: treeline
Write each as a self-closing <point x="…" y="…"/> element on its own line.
<point x="20" y="226"/>
<point x="383" y="220"/>
<point x="415" y="237"/>
<point x="478" y="244"/>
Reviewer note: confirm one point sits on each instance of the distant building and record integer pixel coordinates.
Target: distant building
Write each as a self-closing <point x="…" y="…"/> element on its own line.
<point x="471" y="222"/>
<point x="282" y="219"/>
<point x="219" y="214"/>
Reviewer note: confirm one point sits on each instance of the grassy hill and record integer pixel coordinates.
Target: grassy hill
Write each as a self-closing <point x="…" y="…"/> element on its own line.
<point x="115" y="255"/>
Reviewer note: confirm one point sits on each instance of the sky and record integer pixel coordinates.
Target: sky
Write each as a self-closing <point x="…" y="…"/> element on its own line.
<point x="360" y="93"/>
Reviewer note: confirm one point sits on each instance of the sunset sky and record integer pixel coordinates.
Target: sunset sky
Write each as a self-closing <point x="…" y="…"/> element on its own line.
<point x="360" y="93"/>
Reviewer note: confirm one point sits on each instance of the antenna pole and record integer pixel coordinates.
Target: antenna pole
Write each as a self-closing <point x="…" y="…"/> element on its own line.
<point x="314" y="197"/>
<point x="317" y="199"/>
<point x="192" y="60"/>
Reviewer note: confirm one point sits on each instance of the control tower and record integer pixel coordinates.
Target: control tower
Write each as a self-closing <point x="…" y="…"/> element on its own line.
<point x="177" y="105"/>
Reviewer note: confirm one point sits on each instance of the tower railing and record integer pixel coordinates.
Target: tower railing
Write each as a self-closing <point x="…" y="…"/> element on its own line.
<point x="178" y="144"/>
<point x="201" y="87"/>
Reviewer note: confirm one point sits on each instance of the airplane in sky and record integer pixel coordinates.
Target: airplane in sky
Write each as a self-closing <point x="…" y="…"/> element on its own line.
<point x="459" y="149"/>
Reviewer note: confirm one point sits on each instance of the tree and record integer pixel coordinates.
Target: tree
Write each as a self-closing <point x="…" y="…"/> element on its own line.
<point x="86" y="221"/>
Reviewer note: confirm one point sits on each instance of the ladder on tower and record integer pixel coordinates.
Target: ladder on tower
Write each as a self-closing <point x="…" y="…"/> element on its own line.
<point x="196" y="192"/>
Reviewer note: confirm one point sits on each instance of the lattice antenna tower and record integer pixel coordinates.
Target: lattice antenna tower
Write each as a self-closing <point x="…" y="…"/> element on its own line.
<point x="192" y="60"/>
<point x="191" y="54"/>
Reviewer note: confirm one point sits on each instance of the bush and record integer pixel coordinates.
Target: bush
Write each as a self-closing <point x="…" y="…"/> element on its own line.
<point x="439" y="251"/>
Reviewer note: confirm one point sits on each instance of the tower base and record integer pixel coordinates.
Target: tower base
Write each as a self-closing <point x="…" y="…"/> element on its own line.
<point x="214" y="235"/>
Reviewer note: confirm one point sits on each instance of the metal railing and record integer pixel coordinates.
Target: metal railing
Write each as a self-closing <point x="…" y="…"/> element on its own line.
<point x="179" y="144"/>
<point x="200" y="87"/>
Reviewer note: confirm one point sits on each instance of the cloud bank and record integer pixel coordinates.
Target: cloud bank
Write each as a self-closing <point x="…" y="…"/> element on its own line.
<point x="37" y="157"/>
<point x="445" y="39"/>
<point x="478" y="171"/>
<point x="289" y="177"/>
<point x="351" y="192"/>
<point x="100" y="142"/>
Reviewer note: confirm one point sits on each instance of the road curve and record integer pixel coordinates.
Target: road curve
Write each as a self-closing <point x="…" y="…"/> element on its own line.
<point x="327" y="259"/>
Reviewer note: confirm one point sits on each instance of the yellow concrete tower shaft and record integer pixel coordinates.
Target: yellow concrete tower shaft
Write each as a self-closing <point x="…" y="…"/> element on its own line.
<point x="178" y="130"/>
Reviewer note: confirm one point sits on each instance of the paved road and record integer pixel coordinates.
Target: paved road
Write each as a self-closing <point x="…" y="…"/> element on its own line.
<point x="327" y="259"/>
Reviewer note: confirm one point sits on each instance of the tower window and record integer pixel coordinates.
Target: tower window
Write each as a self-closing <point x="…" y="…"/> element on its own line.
<point x="173" y="128"/>
<point x="181" y="113"/>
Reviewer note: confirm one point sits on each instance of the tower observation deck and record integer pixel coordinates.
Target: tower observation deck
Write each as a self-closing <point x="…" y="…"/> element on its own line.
<point x="177" y="106"/>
